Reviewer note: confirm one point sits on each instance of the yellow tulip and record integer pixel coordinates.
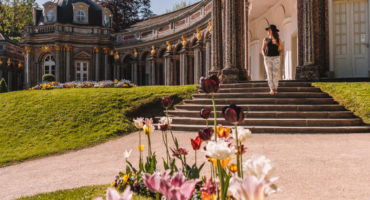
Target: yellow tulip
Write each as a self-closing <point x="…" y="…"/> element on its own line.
<point x="233" y="167"/>
<point x="140" y="148"/>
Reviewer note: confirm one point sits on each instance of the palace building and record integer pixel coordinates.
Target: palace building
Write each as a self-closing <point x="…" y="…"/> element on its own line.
<point x="73" y="40"/>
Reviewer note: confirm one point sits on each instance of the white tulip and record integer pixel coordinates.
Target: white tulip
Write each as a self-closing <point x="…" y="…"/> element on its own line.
<point x="165" y="120"/>
<point x="139" y="122"/>
<point x="127" y="154"/>
<point x="258" y="166"/>
<point x="220" y="150"/>
<point x="243" y="134"/>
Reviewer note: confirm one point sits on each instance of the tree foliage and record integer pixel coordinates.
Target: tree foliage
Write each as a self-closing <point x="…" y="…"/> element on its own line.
<point x="179" y="5"/>
<point x="3" y="86"/>
<point x="14" y="15"/>
<point x="127" y="12"/>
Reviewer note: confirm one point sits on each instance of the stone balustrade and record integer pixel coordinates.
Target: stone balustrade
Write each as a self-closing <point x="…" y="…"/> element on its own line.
<point x="66" y="28"/>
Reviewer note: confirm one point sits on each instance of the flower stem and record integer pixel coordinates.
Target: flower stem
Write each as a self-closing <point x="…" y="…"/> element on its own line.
<point x="214" y="115"/>
<point x="221" y="177"/>
<point x="195" y="157"/>
<point x="237" y="152"/>
<point x="141" y="158"/>
<point x="149" y="146"/>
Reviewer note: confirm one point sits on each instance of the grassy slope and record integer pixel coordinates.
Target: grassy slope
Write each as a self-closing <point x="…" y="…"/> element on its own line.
<point x="354" y="96"/>
<point x="82" y="193"/>
<point x="38" y="123"/>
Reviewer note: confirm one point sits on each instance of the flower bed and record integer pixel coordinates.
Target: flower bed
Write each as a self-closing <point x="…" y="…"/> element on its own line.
<point x="84" y="84"/>
<point x="231" y="178"/>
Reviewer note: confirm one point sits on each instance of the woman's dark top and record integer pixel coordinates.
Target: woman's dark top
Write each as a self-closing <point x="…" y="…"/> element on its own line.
<point x="271" y="48"/>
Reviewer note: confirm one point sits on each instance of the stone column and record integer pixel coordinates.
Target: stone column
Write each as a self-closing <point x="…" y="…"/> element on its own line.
<point x="27" y="68"/>
<point x="216" y="37"/>
<point x="231" y="71"/>
<point x="184" y="66"/>
<point x="116" y="66"/>
<point x="246" y="39"/>
<point x="68" y="62"/>
<point x="198" y="61"/>
<point x="97" y="63"/>
<point x="168" y="70"/>
<point x="152" y="70"/>
<point x="106" y="64"/>
<point x="134" y="73"/>
<point x="208" y="57"/>
<point x="308" y="69"/>
<point x="57" y="62"/>
<point x="10" y="79"/>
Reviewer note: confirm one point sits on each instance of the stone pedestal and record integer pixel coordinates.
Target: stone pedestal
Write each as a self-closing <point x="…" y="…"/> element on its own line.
<point x="168" y="69"/>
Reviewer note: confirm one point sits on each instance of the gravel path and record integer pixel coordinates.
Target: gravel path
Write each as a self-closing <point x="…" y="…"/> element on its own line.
<point x="310" y="167"/>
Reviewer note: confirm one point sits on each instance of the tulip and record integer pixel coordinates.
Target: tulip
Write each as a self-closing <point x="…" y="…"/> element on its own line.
<point x="206" y="134"/>
<point x="152" y="181"/>
<point x="220" y="150"/>
<point x="112" y="194"/>
<point x="140" y="148"/>
<point x="167" y="103"/>
<point x="178" y="188"/>
<point x="127" y="154"/>
<point x="196" y="143"/>
<point x="223" y="132"/>
<point x="233" y="167"/>
<point x="139" y="122"/>
<point x="251" y="188"/>
<point x="258" y="166"/>
<point x="243" y="134"/>
<point x="205" y="113"/>
<point x="233" y="114"/>
<point x="211" y="84"/>
<point x="209" y="187"/>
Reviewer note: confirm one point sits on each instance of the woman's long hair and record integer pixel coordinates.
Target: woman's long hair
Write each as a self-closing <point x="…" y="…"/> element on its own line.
<point x="275" y="34"/>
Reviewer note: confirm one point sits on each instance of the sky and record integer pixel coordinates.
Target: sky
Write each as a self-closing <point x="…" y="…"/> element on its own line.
<point x="158" y="6"/>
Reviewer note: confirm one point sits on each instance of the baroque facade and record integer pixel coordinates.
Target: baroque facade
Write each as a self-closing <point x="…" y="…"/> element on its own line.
<point x="322" y="39"/>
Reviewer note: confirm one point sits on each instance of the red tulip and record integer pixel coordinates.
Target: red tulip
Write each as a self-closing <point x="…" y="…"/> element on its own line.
<point x="167" y="102"/>
<point x="196" y="143"/>
<point x="205" y="113"/>
<point x="233" y="114"/>
<point x="211" y="84"/>
<point x="206" y="134"/>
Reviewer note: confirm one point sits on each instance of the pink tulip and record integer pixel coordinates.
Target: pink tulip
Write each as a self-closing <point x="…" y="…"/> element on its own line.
<point x="251" y="188"/>
<point x="152" y="181"/>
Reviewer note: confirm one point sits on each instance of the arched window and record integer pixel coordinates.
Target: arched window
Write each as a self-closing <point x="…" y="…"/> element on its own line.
<point x="49" y="65"/>
<point x="80" y="15"/>
<point x="106" y="20"/>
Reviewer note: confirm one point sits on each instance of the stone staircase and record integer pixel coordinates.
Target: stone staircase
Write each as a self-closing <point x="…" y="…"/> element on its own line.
<point x="297" y="108"/>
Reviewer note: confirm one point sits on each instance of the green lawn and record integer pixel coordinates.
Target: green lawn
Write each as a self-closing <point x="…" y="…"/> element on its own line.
<point x="82" y="193"/>
<point x="39" y="123"/>
<point x="354" y="96"/>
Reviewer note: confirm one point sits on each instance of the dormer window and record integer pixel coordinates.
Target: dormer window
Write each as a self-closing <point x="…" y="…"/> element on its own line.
<point x="80" y="16"/>
<point x="80" y="13"/>
<point x="50" y="15"/>
<point x="50" y="12"/>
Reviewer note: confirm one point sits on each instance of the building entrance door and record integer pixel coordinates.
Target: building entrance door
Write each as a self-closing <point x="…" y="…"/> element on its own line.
<point x="351" y="38"/>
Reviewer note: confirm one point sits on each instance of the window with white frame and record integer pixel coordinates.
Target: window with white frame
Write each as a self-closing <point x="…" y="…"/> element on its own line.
<point x="106" y="20"/>
<point x="80" y="15"/>
<point x="49" y="65"/>
<point x="82" y="70"/>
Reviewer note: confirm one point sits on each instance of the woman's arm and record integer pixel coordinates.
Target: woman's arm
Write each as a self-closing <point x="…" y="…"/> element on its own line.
<point x="280" y="46"/>
<point x="263" y="47"/>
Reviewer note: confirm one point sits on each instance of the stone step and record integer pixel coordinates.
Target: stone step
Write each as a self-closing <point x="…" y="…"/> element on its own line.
<point x="266" y="89"/>
<point x="262" y="101"/>
<point x="264" y="84"/>
<point x="267" y="107"/>
<point x="273" y="121"/>
<point x="264" y="95"/>
<point x="271" y="114"/>
<point x="284" y="129"/>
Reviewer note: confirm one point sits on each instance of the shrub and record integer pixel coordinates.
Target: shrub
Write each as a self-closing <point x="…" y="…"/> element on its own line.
<point x="48" y="78"/>
<point x="3" y="86"/>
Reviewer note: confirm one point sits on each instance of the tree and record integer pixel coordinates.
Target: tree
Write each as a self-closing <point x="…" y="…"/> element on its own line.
<point x="3" y="86"/>
<point x="14" y="16"/>
<point x="179" y="5"/>
<point x="127" y="12"/>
